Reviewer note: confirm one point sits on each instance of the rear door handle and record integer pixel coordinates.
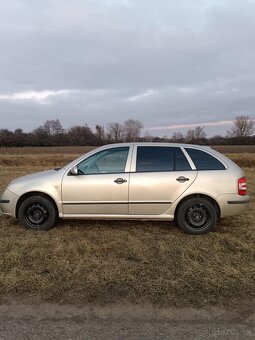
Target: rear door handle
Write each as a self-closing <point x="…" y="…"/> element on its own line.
<point x="182" y="179"/>
<point x="120" y="180"/>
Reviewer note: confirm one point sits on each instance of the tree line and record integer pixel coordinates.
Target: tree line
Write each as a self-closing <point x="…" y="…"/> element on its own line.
<point x="52" y="133"/>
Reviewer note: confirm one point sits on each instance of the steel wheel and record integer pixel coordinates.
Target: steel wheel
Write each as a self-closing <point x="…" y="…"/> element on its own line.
<point x="196" y="215"/>
<point x="38" y="213"/>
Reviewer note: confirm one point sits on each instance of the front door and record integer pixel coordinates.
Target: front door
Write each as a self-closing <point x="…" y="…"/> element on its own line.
<point x="101" y="185"/>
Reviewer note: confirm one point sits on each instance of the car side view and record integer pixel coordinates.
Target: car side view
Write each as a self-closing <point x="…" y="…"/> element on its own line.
<point x="194" y="185"/>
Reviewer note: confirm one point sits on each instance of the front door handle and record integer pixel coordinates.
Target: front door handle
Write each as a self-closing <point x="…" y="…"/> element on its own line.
<point x="182" y="179"/>
<point x="120" y="180"/>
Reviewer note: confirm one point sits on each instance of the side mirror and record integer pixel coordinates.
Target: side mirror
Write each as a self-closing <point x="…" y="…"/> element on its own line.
<point x="74" y="171"/>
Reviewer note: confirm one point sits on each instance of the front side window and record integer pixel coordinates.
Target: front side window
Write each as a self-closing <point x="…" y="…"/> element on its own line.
<point x="204" y="161"/>
<point x="160" y="158"/>
<point x="107" y="161"/>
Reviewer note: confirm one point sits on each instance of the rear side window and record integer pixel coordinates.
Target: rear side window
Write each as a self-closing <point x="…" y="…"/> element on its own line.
<point x="159" y="158"/>
<point x="204" y="161"/>
<point x="181" y="163"/>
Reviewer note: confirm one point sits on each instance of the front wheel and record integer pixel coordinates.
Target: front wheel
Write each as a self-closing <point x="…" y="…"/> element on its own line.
<point x="37" y="213"/>
<point x="196" y="216"/>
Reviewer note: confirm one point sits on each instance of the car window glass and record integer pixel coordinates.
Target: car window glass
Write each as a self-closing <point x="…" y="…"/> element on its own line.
<point x="156" y="158"/>
<point x="181" y="162"/>
<point x="106" y="161"/>
<point x="204" y="161"/>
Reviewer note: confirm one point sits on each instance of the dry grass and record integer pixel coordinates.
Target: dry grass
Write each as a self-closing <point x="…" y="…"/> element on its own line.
<point x="39" y="156"/>
<point x="47" y="161"/>
<point x="48" y="157"/>
<point x="245" y="160"/>
<point x="77" y="150"/>
<point x="235" y="148"/>
<point x="60" y="159"/>
<point x="131" y="261"/>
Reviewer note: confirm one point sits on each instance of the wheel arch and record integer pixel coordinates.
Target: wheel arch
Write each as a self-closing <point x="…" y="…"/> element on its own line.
<point x="34" y="193"/>
<point x="209" y="198"/>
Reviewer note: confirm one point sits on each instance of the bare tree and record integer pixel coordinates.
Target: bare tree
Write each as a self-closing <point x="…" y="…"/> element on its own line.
<point x="132" y="130"/>
<point x="100" y="133"/>
<point x="177" y="137"/>
<point x="148" y="137"/>
<point x="116" y="132"/>
<point x="57" y="127"/>
<point x="244" y="126"/>
<point x="190" y="135"/>
<point x="50" y="128"/>
<point x="195" y="134"/>
<point x="80" y="135"/>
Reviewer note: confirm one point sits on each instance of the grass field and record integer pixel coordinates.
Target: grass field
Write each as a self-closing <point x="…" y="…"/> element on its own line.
<point x="243" y="155"/>
<point x="129" y="261"/>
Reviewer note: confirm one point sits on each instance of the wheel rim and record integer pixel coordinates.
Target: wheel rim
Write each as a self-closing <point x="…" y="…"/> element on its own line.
<point x="36" y="215"/>
<point x="197" y="216"/>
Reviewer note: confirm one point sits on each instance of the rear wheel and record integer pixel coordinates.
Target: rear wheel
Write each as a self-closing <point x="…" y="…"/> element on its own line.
<point x="38" y="213"/>
<point x="196" y="216"/>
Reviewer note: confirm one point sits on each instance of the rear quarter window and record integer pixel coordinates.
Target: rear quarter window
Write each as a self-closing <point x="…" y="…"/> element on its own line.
<point x="204" y="161"/>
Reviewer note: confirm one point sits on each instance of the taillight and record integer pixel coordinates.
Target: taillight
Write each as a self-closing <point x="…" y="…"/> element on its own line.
<point x="242" y="186"/>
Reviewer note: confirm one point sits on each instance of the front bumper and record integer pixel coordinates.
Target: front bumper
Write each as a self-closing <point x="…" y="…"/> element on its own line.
<point x="4" y="201"/>
<point x="8" y="203"/>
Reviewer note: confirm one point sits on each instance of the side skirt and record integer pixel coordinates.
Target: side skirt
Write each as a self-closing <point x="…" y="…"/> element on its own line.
<point x="162" y="217"/>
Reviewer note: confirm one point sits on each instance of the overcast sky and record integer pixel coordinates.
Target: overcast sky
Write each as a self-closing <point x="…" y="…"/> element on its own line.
<point x="170" y="64"/>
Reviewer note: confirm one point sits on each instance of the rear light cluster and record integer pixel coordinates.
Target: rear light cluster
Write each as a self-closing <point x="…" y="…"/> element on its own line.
<point x="242" y="186"/>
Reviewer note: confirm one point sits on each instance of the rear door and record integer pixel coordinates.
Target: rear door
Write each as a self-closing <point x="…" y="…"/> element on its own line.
<point x="160" y="175"/>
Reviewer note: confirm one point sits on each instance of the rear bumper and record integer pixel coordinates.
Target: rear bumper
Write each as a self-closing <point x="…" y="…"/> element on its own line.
<point x="233" y="204"/>
<point x="239" y="202"/>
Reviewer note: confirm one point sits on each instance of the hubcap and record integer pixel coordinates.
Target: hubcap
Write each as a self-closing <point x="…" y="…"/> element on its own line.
<point x="197" y="216"/>
<point x="36" y="214"/>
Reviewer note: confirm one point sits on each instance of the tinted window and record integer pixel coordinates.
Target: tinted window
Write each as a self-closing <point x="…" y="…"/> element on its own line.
<point x="181" y="162"/>
<point x="157" y="158"/>
<point x="204" y="161"/>
<point x="106" y="161"/>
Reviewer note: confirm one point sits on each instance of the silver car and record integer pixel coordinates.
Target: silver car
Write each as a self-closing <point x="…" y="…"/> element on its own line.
<point x="191" y="184"/>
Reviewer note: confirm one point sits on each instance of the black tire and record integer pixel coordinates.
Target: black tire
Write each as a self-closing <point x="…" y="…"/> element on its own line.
<point x="37" y="213"/>
<point x="196" y="216"/>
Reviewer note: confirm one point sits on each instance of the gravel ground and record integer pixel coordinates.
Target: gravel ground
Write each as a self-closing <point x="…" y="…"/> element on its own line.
<point x="52" y="321"/>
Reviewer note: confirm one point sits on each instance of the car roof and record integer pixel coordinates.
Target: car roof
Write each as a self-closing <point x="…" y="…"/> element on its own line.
<point x="158" y="144"/>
